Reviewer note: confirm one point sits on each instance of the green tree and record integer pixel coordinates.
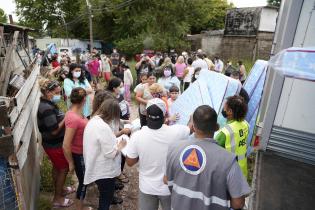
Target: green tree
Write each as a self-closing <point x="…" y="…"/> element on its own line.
<point x="275" y="3"/>
<point x="46" y="16"/>
<point x="3" y="16"/>
<point x="131" y="24"/>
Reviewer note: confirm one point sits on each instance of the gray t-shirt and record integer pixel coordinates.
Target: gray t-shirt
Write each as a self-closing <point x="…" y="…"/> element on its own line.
<point x="203" y="175"/>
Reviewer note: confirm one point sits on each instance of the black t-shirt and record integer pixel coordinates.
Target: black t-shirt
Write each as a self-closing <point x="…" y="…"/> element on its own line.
<point x="145" y="67"/>
<point x="48" y="118"/>
<point x="118" y="72"/>
<point x="124" y="108"/>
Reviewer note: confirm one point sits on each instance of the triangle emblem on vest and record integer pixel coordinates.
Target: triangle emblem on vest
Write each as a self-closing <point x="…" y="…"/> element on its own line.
<point x="192" y="159"/>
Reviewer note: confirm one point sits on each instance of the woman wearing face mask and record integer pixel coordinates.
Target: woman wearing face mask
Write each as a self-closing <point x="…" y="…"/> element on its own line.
<point x="51" y="124"/>
<point x="76" y="78"/>
<point x="169" y="79"/>
<point x="116" y="86"/>
<point x="143" y="95"/>
<point x="75" y="123"/>
<point x="233" y="136"/>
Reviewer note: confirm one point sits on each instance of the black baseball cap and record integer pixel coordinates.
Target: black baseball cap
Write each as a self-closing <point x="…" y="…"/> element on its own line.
<point x="156" y="110"/>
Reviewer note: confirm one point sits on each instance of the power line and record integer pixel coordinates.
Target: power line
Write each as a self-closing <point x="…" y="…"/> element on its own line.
<point x="118" y="6"/>
<point x="77" y="19"/>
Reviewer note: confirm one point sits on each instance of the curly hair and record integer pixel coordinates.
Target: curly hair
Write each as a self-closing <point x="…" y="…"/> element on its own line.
<point x="46" y="84"/>
<point x="156" y="88"/>
<point x="238" y="106"/>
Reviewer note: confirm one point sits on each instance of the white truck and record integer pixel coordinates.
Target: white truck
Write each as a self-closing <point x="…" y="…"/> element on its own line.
<point x="284" y="176"/>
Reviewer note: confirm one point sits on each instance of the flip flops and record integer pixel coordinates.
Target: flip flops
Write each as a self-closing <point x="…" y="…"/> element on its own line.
<point x="123" y="178"/>
<point x="66" y="203"/>
<point x="69" y="190"/>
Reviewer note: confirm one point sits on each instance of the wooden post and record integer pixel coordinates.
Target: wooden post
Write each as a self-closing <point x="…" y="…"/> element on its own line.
<point x="6" y="69"/>
<point x="2" y="52"/>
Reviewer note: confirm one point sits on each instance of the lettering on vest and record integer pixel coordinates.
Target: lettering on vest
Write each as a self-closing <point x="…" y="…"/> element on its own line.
<point x="242" y="143"/>
<point x="241" y="132"/>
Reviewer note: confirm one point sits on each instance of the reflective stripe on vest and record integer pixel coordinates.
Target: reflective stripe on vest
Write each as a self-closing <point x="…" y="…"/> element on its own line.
<point x="233" y="145"/>
<point x="207" y="201"/>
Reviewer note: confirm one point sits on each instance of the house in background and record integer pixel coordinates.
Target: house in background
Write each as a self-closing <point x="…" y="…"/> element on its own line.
<point x="82" y="44"/>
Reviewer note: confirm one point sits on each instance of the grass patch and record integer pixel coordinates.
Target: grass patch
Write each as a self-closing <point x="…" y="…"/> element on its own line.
<point x="46" y="176"/>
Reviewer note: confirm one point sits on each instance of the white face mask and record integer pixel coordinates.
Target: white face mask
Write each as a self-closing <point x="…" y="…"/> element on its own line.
<point x="76" y="74"/>
<point x="122" y="91"/>
<point x="196" y="76"/>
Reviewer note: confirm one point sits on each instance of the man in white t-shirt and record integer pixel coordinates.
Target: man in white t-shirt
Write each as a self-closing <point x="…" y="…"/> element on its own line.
<point x="199" y="62"/>
<point x="218" y="65"/>
<point x="149" y="147"/>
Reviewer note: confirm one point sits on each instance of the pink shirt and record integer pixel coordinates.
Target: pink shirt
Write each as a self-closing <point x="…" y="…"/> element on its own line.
<point x="77" y="122"/>
<point x="94" y="67"/>
<point x="180" y="67"/>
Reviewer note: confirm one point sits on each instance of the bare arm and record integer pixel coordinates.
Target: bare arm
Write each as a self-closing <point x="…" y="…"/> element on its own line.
<point x="165" y="180"/>
<point x="238" y="203"/>
<point x="151" y="62"/>
<point x="131" y="161"/>
<point x="67" y="146"/>
<point x="139" y="98"/>
<point x="61" y="125"/>
<point x="139" y="63"/>
<point x="126" y="131"/>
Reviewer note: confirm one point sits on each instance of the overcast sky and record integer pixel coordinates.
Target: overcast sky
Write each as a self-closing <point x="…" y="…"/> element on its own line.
<point x="9" y="8"/>
<point x="9" y="5"/>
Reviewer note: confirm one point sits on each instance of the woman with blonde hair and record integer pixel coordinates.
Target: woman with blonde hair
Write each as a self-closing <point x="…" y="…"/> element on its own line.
<point x="180" y="67"/>
<point x="102" y="152"/>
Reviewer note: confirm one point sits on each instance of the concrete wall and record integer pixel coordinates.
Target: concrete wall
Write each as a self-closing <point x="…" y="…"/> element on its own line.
<point x="238" y="47"/>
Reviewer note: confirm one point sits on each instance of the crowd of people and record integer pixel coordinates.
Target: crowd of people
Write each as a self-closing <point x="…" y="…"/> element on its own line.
<point x="180" y="166"/>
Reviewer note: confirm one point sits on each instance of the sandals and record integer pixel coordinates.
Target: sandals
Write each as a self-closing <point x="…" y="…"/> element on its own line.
<point x="66" y="203"/>
<point x="123" y="178"/>
<point x="69" y="190"/>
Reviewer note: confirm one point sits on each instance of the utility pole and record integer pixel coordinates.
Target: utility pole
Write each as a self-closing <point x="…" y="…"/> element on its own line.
<point x="64" y="22"/>
<point x="90" y="21"/>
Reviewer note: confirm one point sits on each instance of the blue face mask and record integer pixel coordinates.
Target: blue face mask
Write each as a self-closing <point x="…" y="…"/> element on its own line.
<point x="56" y="98"/>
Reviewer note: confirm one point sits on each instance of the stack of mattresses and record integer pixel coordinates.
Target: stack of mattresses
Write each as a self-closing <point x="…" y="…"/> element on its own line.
<point x="211" y="89"/>
<point x="254" y="86"/>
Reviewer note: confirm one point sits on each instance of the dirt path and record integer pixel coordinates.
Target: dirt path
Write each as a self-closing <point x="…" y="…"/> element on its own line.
<point x="129" y="194"/>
